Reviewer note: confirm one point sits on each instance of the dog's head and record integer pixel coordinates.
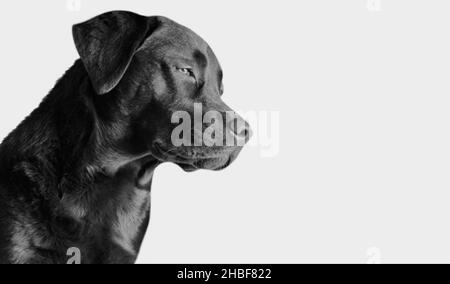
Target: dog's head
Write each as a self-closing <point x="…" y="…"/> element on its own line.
<point x="158" y="89"/>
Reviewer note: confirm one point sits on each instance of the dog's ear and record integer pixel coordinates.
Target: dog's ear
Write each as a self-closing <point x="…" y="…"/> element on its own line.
<point x="107" y="44"/>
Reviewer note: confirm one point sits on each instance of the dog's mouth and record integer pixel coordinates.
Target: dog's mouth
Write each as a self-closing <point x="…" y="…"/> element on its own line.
<point x="195" y="160"/>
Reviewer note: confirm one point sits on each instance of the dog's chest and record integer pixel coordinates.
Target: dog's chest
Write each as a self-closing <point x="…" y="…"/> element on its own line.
<point x="129" y="220"/>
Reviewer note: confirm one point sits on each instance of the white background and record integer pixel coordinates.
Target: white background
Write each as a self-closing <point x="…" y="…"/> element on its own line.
<point x="363" y="168"/>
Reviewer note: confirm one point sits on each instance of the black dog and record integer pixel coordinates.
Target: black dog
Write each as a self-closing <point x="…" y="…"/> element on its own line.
<point x="77" y="172"/>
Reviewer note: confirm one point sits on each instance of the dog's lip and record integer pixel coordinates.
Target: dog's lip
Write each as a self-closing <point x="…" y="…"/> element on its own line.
<point x="162" y="155"/>
<point x="166" y="155"/>
<point x="187" y="164"/>
<point x="224" y="166"/>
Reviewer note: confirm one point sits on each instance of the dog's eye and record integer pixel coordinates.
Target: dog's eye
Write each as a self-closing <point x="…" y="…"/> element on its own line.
<point x="186" y="71"/>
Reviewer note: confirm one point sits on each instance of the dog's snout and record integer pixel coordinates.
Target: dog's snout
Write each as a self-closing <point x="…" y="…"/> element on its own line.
<point x="241" y="129"/>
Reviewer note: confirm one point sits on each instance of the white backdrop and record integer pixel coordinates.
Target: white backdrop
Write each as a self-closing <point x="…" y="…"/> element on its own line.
<point x="362" y="90"/>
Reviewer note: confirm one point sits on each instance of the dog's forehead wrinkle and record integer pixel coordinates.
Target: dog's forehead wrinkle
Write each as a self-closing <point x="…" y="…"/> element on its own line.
<point x="200" y="57"/>
<point x="183" y="33"/>
<point x="176" y="35"/>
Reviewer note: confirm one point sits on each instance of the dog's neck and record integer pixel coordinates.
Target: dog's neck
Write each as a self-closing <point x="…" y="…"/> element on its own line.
<point x="67" y="145"/>
<point x="64" y="134"/>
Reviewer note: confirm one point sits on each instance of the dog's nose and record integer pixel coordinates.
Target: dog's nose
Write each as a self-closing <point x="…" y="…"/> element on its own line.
<point x="241" y="129"/>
